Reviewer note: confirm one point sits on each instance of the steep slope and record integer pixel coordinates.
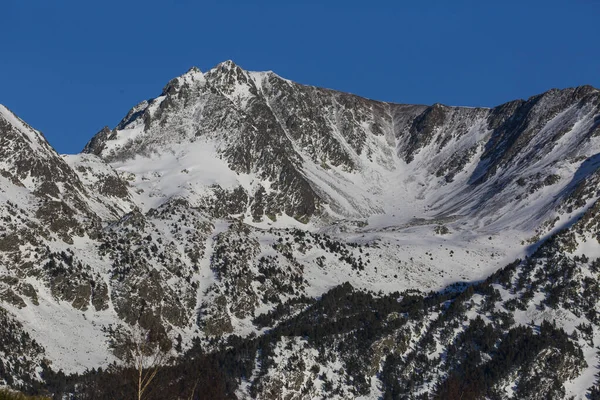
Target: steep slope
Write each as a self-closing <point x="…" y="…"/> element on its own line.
<point x="220" y="213"/>
<point x="281" y="148"/>
<point x="48" y="213"/>
<point x="529" y="331"/>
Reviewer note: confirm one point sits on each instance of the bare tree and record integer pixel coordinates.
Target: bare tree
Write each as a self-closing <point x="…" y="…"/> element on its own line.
<point x="145" y="356"/>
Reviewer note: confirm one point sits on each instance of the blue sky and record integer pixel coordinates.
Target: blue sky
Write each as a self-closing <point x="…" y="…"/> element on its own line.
<point x="71" y="67"/>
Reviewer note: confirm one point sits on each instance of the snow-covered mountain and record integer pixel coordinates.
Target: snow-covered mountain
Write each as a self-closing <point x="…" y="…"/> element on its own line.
<point x="279" y="148"/>
<point x="236" y="202"/>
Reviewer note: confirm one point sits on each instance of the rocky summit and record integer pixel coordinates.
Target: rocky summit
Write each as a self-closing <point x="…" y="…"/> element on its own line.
<point x="281" y="241"/>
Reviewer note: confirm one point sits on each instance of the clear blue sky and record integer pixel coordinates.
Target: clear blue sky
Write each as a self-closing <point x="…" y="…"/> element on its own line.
<point x="71" y="67"/>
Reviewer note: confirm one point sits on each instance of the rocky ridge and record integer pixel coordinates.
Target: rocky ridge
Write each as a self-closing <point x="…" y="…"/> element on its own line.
<point x="236" y="205"/>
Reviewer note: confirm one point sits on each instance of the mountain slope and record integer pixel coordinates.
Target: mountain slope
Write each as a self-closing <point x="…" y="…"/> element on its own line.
<point x="354" y="158"/>
<point x="230" y="208"/>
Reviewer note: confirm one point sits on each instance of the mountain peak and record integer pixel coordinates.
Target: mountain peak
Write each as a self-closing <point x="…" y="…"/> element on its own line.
<point x="226" y="69"/>
<point x="191" y="78"/>
<point x="227" y="65"/>
<point x="35" y="138"/>
<point x="8" y="115"/>
<point x="233" y="81"/>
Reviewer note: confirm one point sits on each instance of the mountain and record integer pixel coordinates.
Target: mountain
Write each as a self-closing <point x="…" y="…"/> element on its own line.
<point x="352" y="159"/>
<point x="313" y="243"/>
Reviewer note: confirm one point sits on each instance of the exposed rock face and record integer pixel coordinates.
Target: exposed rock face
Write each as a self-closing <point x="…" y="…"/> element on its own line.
<point x="321" y="153"/>
<point x="239" y="204"/>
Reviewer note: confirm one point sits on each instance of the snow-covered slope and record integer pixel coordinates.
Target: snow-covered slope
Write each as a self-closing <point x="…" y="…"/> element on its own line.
<point x="234" y="200"/>
<point x="272" y="147"/>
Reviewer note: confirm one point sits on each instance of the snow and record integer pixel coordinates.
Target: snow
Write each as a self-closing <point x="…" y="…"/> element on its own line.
<point x="188" y="171"/>
<point x="91" y="170"/>
<point x="579" y="386"/>
<point x="193" y="76"/>
<point x="34" y="136"/>
<point x="73" y="340"/>
<point x="386" y="203"/>
<point x="589" y="247"/>
<point x="128" y="134"/>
